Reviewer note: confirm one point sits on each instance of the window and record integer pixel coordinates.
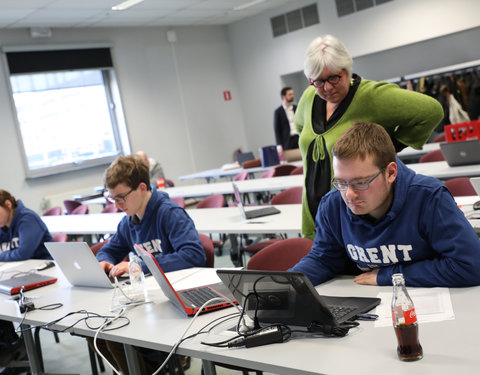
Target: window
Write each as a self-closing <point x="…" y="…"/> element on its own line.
<point x="68" y="111"/>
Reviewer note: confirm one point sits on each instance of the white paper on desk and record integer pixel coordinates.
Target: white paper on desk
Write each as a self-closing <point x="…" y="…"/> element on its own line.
<point x="7" y="265"/>
<point x="431" y="305"/>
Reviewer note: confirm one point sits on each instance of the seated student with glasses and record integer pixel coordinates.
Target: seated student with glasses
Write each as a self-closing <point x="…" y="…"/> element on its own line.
<point x="387" y="219"/>
<point x="154" y="221"/>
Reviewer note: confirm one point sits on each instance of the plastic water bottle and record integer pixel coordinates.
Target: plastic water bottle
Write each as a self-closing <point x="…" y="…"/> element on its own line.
<point x="137" y="279"/>
<point x="405" y="322"/>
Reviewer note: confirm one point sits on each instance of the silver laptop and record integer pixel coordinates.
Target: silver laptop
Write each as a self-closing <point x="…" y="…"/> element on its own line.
<point x="461" y="153"/>
<point x="475" y="181"/>
<point x="78" y="264"/>
<point x="252" y="214"/>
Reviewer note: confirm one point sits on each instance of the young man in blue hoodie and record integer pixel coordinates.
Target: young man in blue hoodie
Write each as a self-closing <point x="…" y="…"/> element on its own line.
<point x="387" y="219"/>
<point x="153" y="221"/>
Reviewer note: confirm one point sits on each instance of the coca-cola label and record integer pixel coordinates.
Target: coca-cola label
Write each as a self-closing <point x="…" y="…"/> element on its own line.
<point x="410" y="316"/>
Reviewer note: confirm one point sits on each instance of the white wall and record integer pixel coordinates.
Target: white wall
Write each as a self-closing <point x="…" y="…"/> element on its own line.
<point x="161" y="106"/>
<point x="260" y="60"/>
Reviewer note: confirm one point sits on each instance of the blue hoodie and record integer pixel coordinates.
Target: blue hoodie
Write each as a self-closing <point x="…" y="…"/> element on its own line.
<point x="424" y="235"/>
<point x="25" y="236"/>
<point x="166" y="231"/>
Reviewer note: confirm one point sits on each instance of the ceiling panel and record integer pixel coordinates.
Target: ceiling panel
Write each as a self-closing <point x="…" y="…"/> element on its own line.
<point x="98" y="13"/>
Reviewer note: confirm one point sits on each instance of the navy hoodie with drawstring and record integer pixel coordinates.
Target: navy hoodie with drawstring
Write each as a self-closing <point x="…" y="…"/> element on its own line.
<point x="424" y="235"/>
<point x="165" y="230"/>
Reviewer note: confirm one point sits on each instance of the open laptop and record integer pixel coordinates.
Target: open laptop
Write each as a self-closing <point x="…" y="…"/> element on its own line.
<point x="461" y="153"/>
<point x="187" y="300"/>
<point x="29" y="281"/>
<point x="245" y="156"/>
<point x="290" y="298"/>
<point x="252" y="214"/>
<point x="78" y="264"/>
<point x="475" y="181"/>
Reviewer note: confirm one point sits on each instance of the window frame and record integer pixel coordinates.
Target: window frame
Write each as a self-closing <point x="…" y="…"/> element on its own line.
<point x="115" y="109"/>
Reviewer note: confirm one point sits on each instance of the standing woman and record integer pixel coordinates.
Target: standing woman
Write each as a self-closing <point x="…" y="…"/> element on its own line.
<point x="335" y="99"/>
<point x="22" y="234"/>
<point x="22" y="231"/>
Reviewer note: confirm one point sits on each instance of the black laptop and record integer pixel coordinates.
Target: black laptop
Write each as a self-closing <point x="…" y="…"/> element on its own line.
<point x="461" y="153"/>
<point x="290" y="298"/>
<point x="245" y="156"/>
<point x="252" y="214"/>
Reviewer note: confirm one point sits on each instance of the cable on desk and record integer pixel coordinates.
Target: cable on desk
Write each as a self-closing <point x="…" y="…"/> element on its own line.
<point x="183" y="338"/>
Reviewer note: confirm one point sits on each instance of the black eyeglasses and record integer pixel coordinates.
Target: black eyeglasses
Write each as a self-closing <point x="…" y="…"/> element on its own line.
<point x="333" y="80"/>
<point x="118" y="198"/>
<point x="358" y="185"/>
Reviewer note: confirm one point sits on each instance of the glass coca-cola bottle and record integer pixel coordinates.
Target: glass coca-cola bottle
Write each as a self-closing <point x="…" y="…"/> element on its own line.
<point x="405" y="321"/>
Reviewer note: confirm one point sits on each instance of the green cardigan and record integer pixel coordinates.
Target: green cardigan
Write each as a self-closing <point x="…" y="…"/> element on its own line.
<point x="409" y="117"/>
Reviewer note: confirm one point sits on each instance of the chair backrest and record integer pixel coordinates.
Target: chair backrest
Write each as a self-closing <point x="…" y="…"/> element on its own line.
<point x="60" y="237"/>
<point x="80" y="210"/>
<point x="212" y="201"/>
<point x="432" y="156"/>
<point x="54" y="211"/>
<point x="460" y="186"/>
<point x="179" y="200"/>
<point x="440" y="138"/>
<point x="241" y="176"/>
<point x="298" y="170"/>
<point x="70" y="205"/>
<point x="268" y="174"/>
<point x="289" y="196"/>
<point x="110" y="208"/>
<point x="209" y="249"/>
<point x="283" y="170"/>
<point x="281" y="255"/>
<point x="97" y="246"/>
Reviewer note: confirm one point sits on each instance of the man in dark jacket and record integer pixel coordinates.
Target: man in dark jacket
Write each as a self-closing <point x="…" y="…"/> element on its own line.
<point x="286" y="134"/>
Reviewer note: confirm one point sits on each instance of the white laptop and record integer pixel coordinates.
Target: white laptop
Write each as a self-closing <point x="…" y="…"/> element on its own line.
<point x="78" y="264"/>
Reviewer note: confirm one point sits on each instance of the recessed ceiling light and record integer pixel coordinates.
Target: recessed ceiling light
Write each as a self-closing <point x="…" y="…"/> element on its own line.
<point x="126" y="4"/>
<point x="248" y="5"/>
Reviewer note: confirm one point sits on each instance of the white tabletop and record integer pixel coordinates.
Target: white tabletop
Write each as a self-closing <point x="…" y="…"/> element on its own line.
<point x="450" y="347"/>
<point x="409" y="152"/>
<point x="207" y="220"/>
<point x="229" y="172"/>
<point x="246" y="186"/>
<point x="441" y="170"/>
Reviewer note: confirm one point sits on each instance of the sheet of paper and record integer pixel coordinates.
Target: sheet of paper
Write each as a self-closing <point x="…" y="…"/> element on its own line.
<point x="6" y="266"/>
<point x="431" y="305"/>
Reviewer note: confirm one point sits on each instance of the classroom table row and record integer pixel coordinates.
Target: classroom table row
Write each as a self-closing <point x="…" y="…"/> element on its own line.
<point x="229" y="170"/>
<point x="449" y="345"/>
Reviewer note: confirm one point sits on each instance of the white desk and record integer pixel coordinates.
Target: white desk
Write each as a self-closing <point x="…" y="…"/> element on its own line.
<point x="246" y="186"/>
<point x="220" y="172"/>
<point x="442" y="171"/>
<point x="450" y="347"/>
<point x="410" y="153"/>
<point x="207" y="220"/>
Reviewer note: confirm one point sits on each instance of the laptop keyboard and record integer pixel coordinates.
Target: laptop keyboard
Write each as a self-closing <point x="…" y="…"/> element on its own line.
<point x="340" y="311"/>
<point x="199" y="296"/>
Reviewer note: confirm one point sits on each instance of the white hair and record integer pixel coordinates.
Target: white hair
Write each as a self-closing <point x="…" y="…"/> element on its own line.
<point x="326" y="52"/>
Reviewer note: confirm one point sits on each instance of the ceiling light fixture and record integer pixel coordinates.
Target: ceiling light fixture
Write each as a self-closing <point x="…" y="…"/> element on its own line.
<point x="248" y="5"/>
<point x="126" y="4"/>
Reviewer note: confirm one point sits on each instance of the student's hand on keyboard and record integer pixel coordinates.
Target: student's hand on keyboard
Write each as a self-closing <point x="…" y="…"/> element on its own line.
<point x="367" y="278"/>
<point x="119" y="269"/>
